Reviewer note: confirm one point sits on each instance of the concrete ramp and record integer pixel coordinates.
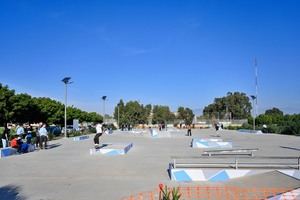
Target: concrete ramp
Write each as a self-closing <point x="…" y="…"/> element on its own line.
<point x="112" y="149"/>
<point x="210" y="143"/>
<point x="80" y="138"/>
<point x="8" y="151"/>
<point x="224" y="175"/>
<point x="159" y="134"/>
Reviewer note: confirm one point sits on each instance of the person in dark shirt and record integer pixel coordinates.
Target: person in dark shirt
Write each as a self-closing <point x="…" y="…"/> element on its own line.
<point x="5" y="137"/>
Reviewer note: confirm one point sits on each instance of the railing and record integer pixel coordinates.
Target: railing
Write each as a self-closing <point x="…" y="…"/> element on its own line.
<point x="236" y="162"/>
<point x="248" y="152"/>
<point x="221" y="193"/>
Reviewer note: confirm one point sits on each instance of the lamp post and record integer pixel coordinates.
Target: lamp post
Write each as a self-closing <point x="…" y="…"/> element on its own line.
<point x="119" y="116"/>
<point x="66" y="81"/>
<point x="104" y="98"/>
<point x="253" y="97"/>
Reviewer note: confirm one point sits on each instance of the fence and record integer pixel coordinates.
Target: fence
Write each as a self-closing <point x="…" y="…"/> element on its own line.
<point x="222" y="193"/>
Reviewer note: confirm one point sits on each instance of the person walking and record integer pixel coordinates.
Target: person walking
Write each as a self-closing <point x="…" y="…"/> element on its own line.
<point x="43" y="137"/>
<point x="5" y="137"/>
<point x="99" y="131"/>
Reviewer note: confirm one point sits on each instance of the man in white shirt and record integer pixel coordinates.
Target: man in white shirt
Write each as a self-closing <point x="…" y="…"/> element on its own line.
<point x="44" y="136"/>
<point x="98" y="134"/>
<point x="20" y="131"/>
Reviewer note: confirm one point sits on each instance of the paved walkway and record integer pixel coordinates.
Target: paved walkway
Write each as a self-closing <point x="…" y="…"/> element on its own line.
<point x="68" y="171"/>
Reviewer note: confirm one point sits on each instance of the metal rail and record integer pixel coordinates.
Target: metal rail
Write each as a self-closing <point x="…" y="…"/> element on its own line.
<point x="237" y="162"/>
<point x="248" y="152"/>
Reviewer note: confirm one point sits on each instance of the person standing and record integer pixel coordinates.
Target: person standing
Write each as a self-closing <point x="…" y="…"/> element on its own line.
<point x="189" y="130"/>
<point x="44" y="136"/>
<point x="20" y="131"/>
<point x="99" y="132"/>
<point x="38" y="137"/>
<point x="5" y="137"/>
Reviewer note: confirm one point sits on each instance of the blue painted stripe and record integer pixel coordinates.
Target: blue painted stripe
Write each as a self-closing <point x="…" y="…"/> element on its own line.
<point x="113" y="153"/>
<point x="182" y="176"/>
<point x="220" y="177"/>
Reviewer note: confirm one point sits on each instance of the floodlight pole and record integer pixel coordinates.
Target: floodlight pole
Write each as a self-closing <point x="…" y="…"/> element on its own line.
<point x="66" y="81"/>
<point x="66" y="94"/>
<point x="104" y="98"/>
<point x="119" y="116"/>
<point x="254" y="113"/>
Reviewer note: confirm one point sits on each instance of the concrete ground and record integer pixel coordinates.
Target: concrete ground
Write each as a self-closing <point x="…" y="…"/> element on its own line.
<point x="68" y="171"/>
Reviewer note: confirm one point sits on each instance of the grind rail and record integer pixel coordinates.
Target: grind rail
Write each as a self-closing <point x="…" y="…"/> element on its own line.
<point x="237" y="162"/>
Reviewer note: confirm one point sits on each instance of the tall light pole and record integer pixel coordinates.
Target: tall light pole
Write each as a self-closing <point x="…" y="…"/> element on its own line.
<point x="119" y="116"/>
<point x="253" y="97"/>
<point x="66" y="81"/>
<point x="104" y="98"/>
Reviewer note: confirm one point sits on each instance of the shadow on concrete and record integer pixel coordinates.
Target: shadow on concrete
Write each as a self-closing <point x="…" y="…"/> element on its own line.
<point x="101" y="146"/>
<point x="11" y="192"/>
<point x="52" y="146"/>
<point x="292" y="148"/>
<point x="215" y="135"/>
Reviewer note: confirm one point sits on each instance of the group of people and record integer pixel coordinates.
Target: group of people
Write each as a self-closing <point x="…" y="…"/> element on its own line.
<point x="23" y="138"/>
<point x="126" y="127"/>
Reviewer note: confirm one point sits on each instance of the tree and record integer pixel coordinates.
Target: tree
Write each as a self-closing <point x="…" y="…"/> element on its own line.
<point x="274" y="111"/>
<point x="6" y="104"/>
<point x="24" y="109"/>
<point x="94" y="117"/>
<point x="132" y="113"/>
<point x="185" y="114"/>
<point x="51" y="111"/>
<point x="238" y="104"/>
<point x="162" y="114"/>
<point x="119" y="113"/>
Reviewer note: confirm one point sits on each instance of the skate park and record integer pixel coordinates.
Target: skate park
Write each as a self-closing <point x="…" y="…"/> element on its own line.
<point x="73" y="173"/>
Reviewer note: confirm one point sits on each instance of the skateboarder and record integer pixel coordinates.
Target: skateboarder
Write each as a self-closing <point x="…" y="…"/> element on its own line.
<point x="99" y="132"/>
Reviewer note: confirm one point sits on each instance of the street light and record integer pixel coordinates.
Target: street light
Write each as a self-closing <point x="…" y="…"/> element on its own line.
<point x="253" y="97"/>
<point x="118" y="116"/>
<point x="104" y="98"/>
<point x="66" y="81"/>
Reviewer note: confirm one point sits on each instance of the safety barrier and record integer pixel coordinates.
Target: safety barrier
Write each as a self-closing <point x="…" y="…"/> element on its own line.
<point x="222" y="193"/>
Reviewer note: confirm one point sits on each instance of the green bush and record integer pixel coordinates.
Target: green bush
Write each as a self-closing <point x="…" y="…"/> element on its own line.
<point x="273" y="128"/>
<point x="246" y="126"/>
<point x="74" y="133"/>
<point x="92" y="130"/>
<point x="290" y="128"/>
<point x="50" y="136"/>
<point x="232" y="127"/>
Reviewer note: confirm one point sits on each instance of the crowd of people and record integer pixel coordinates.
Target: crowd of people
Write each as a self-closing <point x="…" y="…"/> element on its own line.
<point x="22" y="139"/>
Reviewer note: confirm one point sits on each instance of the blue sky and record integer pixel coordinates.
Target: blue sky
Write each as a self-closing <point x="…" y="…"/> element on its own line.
<point x="176" y="53"/>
